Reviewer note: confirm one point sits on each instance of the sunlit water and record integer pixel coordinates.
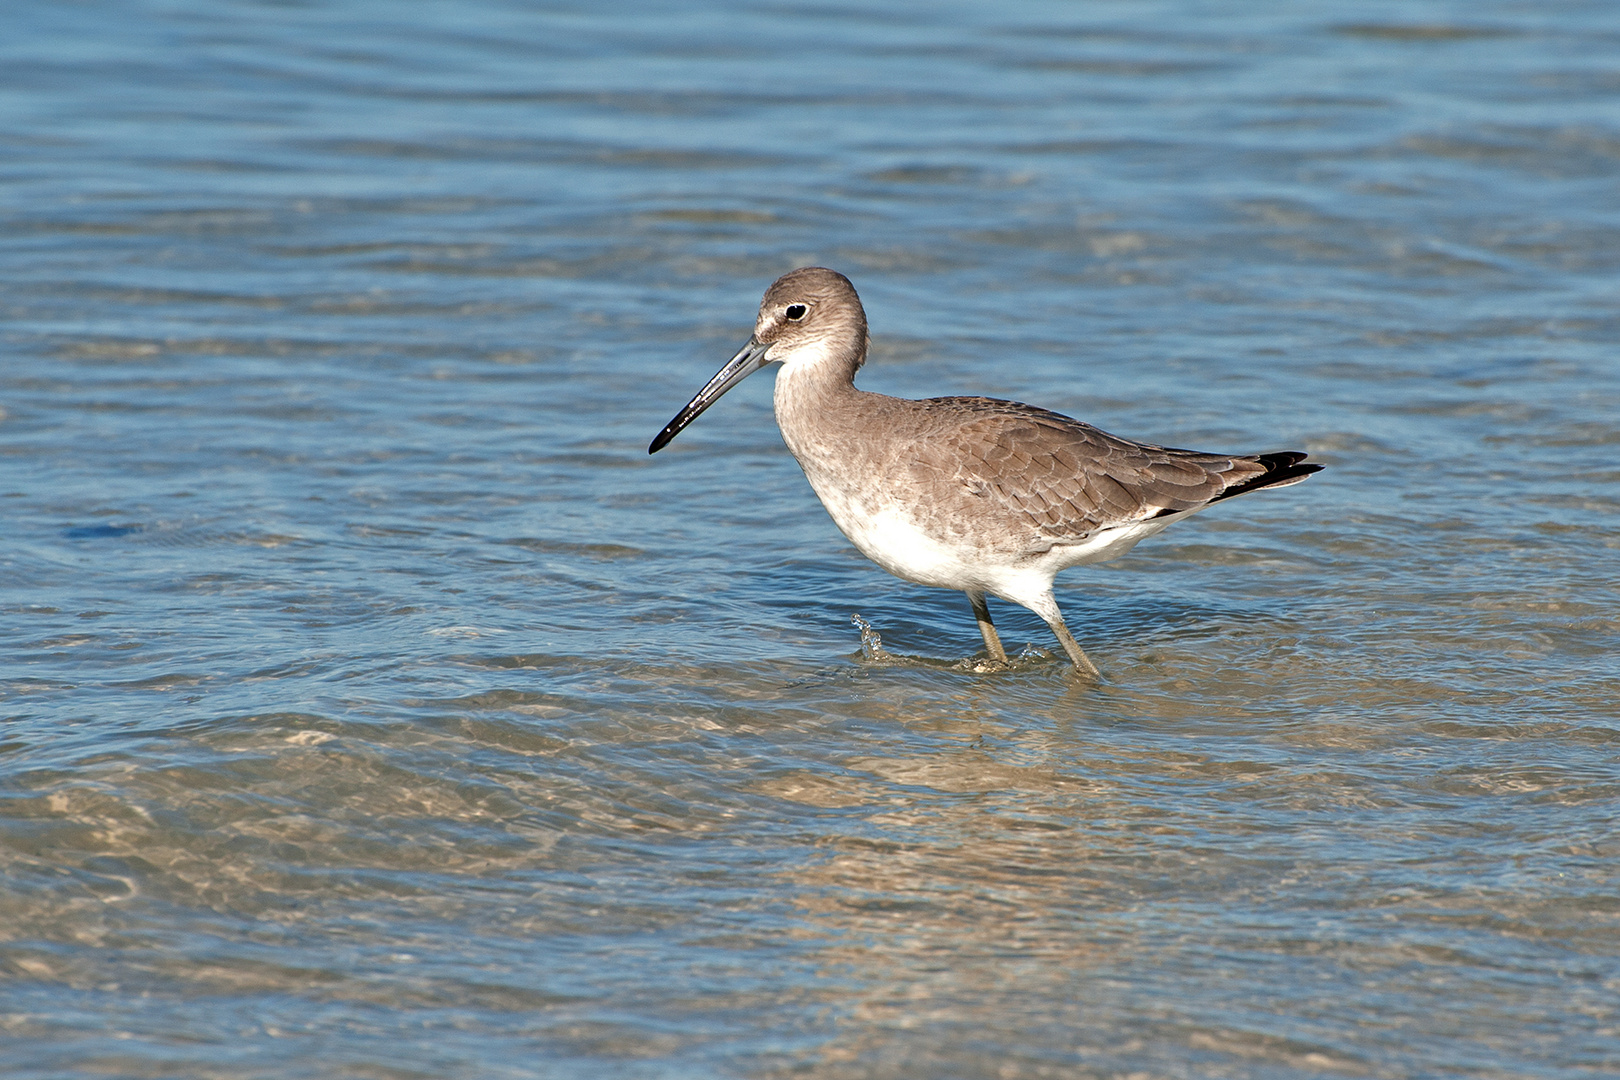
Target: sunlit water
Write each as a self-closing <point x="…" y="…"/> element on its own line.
<point x="374" y="706"/>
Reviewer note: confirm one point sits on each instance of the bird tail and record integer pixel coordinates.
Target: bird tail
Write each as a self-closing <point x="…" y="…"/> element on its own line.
<point x="1282" y="469"/>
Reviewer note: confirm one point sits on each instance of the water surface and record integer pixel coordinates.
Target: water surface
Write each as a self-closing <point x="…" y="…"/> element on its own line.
<point x="375" y="706"/>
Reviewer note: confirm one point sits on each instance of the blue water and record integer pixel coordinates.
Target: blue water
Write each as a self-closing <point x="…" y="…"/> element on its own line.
<point x="375" y="706"/>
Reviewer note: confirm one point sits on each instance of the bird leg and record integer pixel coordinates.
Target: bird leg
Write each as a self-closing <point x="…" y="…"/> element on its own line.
<point x="992" y="640"/>
<point x="1081" y="661"/>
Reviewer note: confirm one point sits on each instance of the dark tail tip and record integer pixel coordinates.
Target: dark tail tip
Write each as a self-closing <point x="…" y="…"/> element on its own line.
<point x="1282" y="468"/>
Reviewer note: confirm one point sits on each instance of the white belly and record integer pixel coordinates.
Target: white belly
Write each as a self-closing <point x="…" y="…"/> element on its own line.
<point x="890" y="539"/>
<point x="883" y="531"/>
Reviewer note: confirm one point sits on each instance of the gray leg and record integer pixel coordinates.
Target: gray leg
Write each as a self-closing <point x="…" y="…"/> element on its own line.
<point x="992" y="640"/>
<point x="1082" y="662"/>
<point x="1047" y="609"/>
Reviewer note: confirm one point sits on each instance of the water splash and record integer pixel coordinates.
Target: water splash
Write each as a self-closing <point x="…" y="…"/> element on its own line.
<point x="871" y="643"/>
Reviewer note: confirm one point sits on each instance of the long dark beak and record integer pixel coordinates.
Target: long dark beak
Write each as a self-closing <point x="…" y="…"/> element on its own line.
<point x="749" y="360"/>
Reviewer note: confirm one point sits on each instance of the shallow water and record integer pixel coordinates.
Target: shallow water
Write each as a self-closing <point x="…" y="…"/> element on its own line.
<point x="375" y="706"/>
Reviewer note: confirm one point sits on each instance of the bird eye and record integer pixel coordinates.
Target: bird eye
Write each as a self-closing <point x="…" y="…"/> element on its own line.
<point x="795" y="312"/>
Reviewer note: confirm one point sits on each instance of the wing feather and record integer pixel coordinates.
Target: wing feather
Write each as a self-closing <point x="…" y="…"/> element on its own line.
<point x="1055" y="479"/>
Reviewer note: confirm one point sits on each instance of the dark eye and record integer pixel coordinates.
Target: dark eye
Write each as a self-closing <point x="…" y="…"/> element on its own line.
<point x="795" y="312"/>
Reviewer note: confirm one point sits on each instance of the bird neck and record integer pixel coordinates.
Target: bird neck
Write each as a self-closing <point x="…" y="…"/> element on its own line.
<point x="816" y="397"/>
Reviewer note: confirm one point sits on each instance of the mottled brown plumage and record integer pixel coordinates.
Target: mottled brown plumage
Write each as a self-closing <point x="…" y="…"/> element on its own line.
<point x="969" y="493"/>
<point x="1063" y="479"/>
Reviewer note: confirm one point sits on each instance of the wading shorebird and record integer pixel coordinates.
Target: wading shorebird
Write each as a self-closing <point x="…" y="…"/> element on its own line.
<point x="990" y="497"/>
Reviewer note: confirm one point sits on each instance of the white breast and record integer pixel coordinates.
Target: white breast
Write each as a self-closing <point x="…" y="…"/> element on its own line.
<point x="886" y="534"/>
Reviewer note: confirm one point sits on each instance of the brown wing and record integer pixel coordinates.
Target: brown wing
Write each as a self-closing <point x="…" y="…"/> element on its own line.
<point x="1061" y="479"/>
